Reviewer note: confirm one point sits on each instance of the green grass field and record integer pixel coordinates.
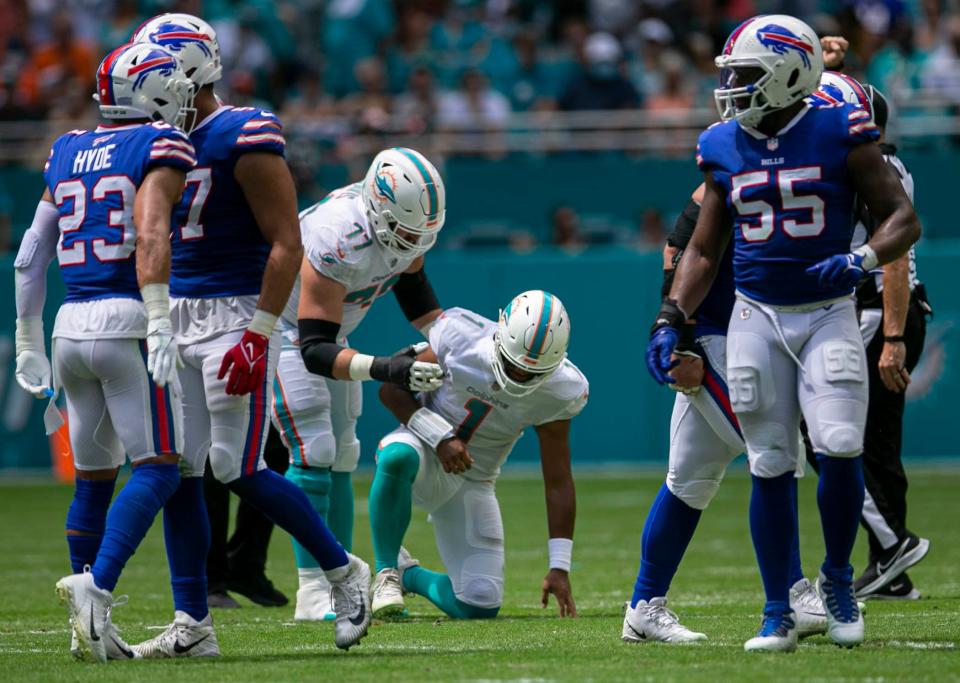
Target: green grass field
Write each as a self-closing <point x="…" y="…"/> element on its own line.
<point x="717" y="591"/>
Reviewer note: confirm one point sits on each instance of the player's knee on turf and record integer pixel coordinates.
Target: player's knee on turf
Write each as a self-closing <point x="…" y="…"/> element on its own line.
<point x="481" y="594"/>
<point x="398" y="460"/>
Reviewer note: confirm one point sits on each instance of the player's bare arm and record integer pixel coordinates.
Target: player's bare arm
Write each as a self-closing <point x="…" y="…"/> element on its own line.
<point x="896" y="302"/>
<point x="878" y="186"/>
<point x="321" y="299"/>
<point x="158" y="194"/>
<point x="561" y="499"/>
<point x="269" y="190"/>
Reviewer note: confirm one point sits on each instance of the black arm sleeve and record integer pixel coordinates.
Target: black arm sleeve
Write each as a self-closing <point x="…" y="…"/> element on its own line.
<point x="318" y="345"/>
<point x="679" y="238"/>
<point x="415" y="295"/>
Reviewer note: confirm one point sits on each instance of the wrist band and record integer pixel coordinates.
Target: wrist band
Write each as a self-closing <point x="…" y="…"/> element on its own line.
<point x="893" y="338"/>
<point x="561" y="551"/>
<point x="360" y="367"/>
<point x="262" y="323"/>
<point x="29" y="335"/>
<point x="870" y="260"/>
<point x="156" y="299"/>
<point x="430" y="427"/>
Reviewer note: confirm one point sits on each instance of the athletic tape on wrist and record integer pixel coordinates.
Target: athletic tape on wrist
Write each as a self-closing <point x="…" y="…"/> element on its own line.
<point x="429" y="427"/>
<point x="262" y="323"/>
<point x="29" y="335"/>
<point x="561" y="552"/>
<point x="156" y="299"/>
<point x="870" y="260"/>
<point x="360" y="367"/>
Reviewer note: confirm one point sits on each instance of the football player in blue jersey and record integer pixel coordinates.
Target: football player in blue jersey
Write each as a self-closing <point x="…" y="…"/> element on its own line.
<point x="106" y="216"/>
<point x="785" y="172"/>
<point x="236" y="254"/>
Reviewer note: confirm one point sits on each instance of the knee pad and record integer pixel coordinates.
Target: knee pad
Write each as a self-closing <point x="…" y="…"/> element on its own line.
<point x="223" y="464"/>
<point x="348" y="456"/>
<point x="771" y="450"/>
<point x="697" y="493"/>
<point x="485" y="592"/>
<point x="398" y="460"/>
<point x="838" y="432"/>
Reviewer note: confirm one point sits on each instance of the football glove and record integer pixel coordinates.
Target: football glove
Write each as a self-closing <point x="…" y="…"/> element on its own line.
<point x="247" y="364"/>
<point x="664" y="338"/>
<point x="404" y="369"/>
<point x="162" y="357"/>
<point x="33" y="369"/>
<point x="844" y="271"/>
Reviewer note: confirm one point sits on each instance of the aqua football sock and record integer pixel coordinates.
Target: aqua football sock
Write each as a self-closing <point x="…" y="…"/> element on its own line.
<point x="391" y="498"/>
<point x="340" y="519"/>
<point x="315" y="484"/>
<point x="438" y="589"/>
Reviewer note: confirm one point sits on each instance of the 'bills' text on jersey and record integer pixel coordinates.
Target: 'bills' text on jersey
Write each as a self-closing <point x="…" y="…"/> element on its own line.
<point x="218" y="249"/>
<point x="790" y="197"/>
<point x="93" y="177"/>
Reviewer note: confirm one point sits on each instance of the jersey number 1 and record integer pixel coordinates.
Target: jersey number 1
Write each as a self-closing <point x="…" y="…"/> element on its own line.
<point x="477" y="412"/>
<point x="758" y="216"/>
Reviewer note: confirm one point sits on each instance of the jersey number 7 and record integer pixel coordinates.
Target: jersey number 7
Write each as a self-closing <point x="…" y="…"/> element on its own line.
<point x="758" y="217"/>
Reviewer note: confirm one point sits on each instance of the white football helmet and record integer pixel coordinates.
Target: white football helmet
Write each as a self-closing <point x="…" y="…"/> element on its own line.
<point x="191" y="39"/>
<point x="143" y="81"/>
<point x="405" y="201"/>
<point x="532" y="336"/>
<point x="837" y="87"/>
<point x="785" y="49"/>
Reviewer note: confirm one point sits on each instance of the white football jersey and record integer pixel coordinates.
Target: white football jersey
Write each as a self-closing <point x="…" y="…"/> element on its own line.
<point x="339" y="243"/>
<point x="488" y="419"/>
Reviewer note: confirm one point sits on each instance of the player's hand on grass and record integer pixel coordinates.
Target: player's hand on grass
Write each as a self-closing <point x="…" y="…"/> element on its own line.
<point x="557" y="583"/>
<point x="454" y="456"/>
<point x="893" y="374"/>
<point x="247" y="364"/>
<point x="834" y="50"/>
<point x="33" y="373"/>
<point x="162" y="356"/>
<point x="688" y="372"/>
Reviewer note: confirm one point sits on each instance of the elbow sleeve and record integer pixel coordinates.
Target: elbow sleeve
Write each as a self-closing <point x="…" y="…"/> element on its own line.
<point x="415" y="295"/>
<point x="318" y="345"/>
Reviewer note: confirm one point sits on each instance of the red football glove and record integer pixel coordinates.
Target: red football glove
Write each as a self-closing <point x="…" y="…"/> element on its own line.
<point x="247" y="364"/>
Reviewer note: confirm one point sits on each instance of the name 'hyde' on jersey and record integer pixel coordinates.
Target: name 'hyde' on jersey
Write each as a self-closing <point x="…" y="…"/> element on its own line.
<point x="490" y="421"/>
<point x="218" y="249"/>
<point x="339" y="243"/>
<point x="790" y="197"/>
<point x="93" y="177"/>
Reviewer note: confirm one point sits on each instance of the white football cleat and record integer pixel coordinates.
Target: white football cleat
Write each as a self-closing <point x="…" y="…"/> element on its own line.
<point x="844" y="619"/>
<point x="387" y="594"/>
<point x="313" y="597"/>
<point x="94" y="636"/>
<point x="185" y="637"/>
<point x="652" y="621"/>
<point x="806" y="604"/>
<point x="351" y="602"/>
<point x="778" y="633"/>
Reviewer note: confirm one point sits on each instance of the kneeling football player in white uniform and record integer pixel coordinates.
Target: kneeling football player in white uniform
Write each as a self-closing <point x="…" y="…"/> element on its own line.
<point x="361" y="242"/>
<point x="500" y="378"/>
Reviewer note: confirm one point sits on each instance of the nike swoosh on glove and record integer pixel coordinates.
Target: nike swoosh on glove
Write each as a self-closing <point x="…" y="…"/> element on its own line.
<point x="840" y="271"/>
<point x="660" y="348"/>
<point x="247" y="364"/>
<point x="162" y="355"/>
<point x="33" y="373"/>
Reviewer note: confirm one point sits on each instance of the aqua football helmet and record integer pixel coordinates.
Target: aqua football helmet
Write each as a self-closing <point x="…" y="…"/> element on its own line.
<point x="405" y="201"/>
<point x="530" y="342"/>
<point x="786" y="56"/>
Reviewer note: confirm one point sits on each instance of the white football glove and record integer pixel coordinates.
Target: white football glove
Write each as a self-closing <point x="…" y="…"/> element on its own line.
<point x="33" y="373"/>
<point x="162" y="357"/>
<point x="425" y="376"/>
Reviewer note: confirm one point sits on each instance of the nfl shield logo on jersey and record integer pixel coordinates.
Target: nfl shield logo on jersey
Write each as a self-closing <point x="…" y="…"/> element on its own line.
<point x="772" y="144"/>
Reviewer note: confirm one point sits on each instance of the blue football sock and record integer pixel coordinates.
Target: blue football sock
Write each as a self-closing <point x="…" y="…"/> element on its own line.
<point x="341" y="508"/>
<point x="666" y="534"/>
<point x="391" y="500"/>
<point x="130" y="517"/>
<point x="772" y="525"/>
<point x="286" y="506"/>
<point x="186" y="532"/>
<point x="796" y="567"/>
<point x="315" y="484"/>
<point x="840" y="495"/>
<point x="88" y="516"/>
<point x="438" y="589"/>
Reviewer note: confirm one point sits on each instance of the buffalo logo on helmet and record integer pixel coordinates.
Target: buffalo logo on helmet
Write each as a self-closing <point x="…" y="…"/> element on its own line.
<point x="175" y="37"/>
<point x="156" y="61"/>
<point x="385" y="184"/>
<point x="782" y="41"/>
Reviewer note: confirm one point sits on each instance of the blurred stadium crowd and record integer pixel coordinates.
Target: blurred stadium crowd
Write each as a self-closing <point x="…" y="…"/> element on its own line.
<point x="347" y="74"/>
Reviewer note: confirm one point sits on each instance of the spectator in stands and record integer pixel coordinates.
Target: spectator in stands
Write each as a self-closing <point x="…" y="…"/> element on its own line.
<point x="411" y="47"/>
<point x="475" y="106"/>
<point x="534" y="81"/>
<point x="416" y="108"/>
<point x="941" y="72"/>
<point x="565" y="228"/>
<point x="370" y="106"/>
<point x="14" y="55"/>
<point x="601" y="83"/>
<point x="65" y="65"/>
<point x="675" y="94"/>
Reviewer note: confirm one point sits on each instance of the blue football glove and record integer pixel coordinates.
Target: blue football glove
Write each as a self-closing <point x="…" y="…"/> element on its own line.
<point x="660" y="348"/>
<point x="841" y="271"/>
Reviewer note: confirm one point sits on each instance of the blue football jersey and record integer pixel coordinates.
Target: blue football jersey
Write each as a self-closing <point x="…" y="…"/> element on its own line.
<point x="93" y="177"/>
<point x="790" y="197"/>
<point x="218" y="249"/>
